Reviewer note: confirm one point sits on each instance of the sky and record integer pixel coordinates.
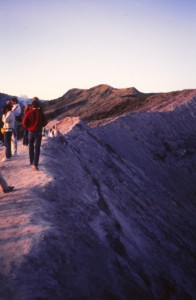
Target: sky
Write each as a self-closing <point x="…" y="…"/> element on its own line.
<point x="51" y="46"/>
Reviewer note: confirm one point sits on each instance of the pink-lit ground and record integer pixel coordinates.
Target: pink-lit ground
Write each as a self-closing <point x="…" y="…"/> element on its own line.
<point x="17" y="230"/>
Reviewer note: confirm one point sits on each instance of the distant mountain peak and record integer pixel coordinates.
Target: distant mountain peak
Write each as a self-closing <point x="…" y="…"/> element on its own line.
<point x="103" y="102"/>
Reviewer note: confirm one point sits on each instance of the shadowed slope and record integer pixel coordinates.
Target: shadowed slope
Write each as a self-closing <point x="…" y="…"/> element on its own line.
<point x="120" y="212"/>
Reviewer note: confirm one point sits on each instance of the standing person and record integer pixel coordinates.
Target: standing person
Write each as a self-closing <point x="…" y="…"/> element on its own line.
<point x="8" y="119"/>
<point x="4" y="186"/>
<point x="34" y="121"/>
<point x="25" y="141"/>
<point x="51" y="133"/>
<point x="55" y="130"/>
<point x="17" y="113"/>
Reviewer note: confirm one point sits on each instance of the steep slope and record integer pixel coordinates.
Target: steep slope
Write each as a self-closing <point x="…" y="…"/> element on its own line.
<point x="120" y="212"/>
<point x="103" y="103"/>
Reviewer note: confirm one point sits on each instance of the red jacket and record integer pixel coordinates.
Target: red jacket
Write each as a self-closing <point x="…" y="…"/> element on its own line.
<point x="34" y="120"/>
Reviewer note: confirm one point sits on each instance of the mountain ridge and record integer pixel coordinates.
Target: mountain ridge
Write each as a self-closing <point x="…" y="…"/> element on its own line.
<point x="103" y="101"/>
<point x="97" y="104"/>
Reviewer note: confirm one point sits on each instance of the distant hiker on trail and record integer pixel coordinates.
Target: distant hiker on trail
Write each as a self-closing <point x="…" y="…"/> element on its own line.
<point x="55" y="130"/>
<point x="51" y="133"/>
<point x="34" y="121"/>
<point x="25" y="141"/>
<point x="4" y="186"/>
<point x="17" y="113"/>
<point x="8" y="119"/>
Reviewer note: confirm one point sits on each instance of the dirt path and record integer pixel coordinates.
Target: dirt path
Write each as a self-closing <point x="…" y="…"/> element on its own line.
<point x="18" y="227"/>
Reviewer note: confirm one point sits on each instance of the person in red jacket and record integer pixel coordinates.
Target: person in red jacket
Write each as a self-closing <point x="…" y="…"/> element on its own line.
<point x="34" y="121"/>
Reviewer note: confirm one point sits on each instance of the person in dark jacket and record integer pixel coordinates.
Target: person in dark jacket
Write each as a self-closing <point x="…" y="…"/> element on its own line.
<point x="34" y="121"/>
<point x="25" y="141"/>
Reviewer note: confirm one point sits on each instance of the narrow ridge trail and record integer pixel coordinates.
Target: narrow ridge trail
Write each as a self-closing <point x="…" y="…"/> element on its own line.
<point x="18" y="230"/>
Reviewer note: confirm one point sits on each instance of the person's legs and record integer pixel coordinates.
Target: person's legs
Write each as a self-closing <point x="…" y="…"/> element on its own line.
<point x="14" y="140"/>
<point x="31" y="138"/>
<point x="3" y="183"/>
<point x="25" y="137"/>
<point x="14" y="144"/>
<point x="5" y="188"/>
<point x="7" y="143"/>
<point x="38" y="140"/>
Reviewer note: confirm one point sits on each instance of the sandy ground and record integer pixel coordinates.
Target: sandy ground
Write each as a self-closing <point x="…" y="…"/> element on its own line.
<point x="18" y="230"/>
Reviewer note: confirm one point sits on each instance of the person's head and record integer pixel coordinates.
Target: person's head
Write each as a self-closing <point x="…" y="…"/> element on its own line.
<point x="35" y="102"/>
<point x="35" y="99"/>
<point x="14" y="100"/>
<point x="9" y="101"/>
<point x="27" y="107"/>
<point x="6" y="108"/>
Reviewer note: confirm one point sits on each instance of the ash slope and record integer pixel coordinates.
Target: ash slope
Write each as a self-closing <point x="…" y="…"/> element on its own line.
<point x="122" y="212"/>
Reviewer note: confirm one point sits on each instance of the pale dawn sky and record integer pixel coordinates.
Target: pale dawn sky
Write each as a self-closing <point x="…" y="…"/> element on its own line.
<point x="50" y="46"/>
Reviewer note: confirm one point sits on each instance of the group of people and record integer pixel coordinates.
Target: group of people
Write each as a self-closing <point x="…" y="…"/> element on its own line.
<point x="11" y="115"/>
<point x="53" y="131"/>
<point x="33" y="122"/>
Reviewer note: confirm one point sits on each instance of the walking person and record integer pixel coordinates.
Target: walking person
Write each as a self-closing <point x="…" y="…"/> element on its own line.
<point x="8" y="119"/>
<point x="16" y="109"/>
<point x="34" y="121"/>
<point x="25" y="141"/>
<point x="4" y="186"/>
